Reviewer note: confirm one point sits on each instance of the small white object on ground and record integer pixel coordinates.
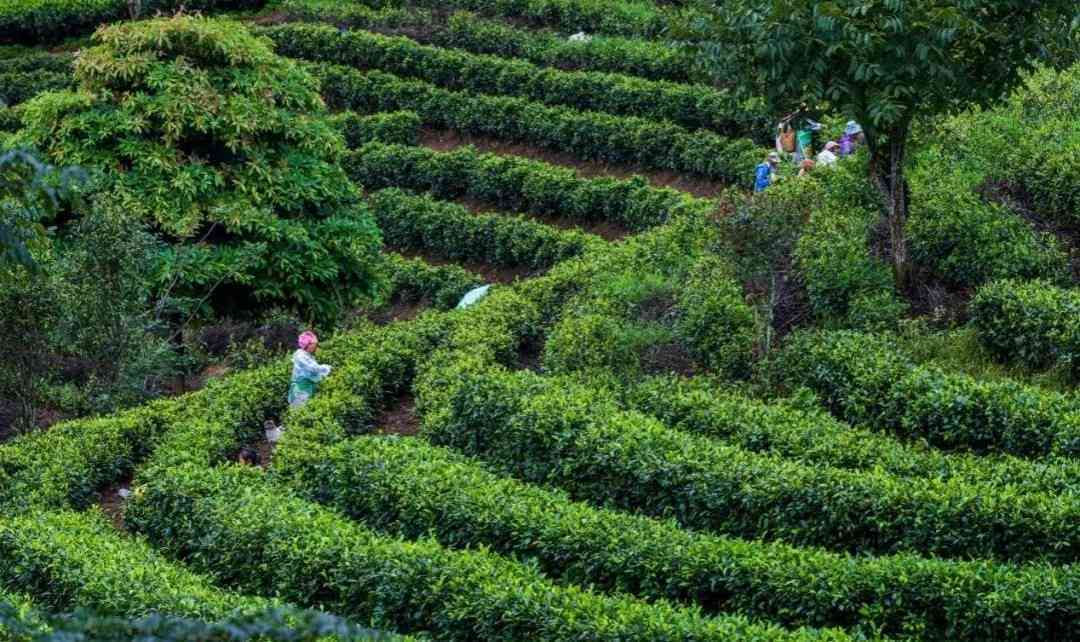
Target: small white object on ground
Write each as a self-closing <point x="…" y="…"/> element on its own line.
<point x="472" y="296"/>
<point x="580" y="36"/>
<point x="124" y="493"/>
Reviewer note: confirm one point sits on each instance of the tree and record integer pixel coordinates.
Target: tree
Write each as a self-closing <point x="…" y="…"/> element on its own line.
<point x="883" y="63"/>
<point x="225" y="148"/>
<point x="30" y="190"/>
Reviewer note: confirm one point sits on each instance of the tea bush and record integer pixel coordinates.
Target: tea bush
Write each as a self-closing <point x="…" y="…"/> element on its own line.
<point x="691" y="106"/>
<point x="409" y="488"/>
<point x="399" y="127"/>
<point x="519" y="184"/>
<point x="257" y="538"/>
<point x="574" y="437"/>
<point x="1033" y="324"/>
<point x="589" y="135"/>
<point x="714" y="319"/>
<point x="865" y="380"/>
<point x="413" y="280"/>
<point x="451" y="231"/>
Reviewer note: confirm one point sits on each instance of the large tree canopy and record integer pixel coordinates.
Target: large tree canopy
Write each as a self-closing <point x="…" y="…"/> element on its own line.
<point x="199" y="128"/>
<point x="881" y="62"/>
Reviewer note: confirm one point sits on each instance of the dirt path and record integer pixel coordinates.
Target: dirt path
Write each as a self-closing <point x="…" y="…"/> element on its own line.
<point x="399" y="418"/>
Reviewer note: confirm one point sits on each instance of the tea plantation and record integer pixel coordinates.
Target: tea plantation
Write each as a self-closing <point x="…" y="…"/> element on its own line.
<point x="688" y="408"/>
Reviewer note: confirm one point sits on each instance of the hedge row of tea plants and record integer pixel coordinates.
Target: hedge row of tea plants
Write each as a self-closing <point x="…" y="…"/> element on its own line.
<point x="691" y="106"/>
<point x="415" y="280"/>
<point x="33" y="21"/>
<point x="20" y="622"/>
<point x="613" y="17"/>
<point x="19" y="87"/>
<point x="814" y="437"/>
<point x="254" y="537"/>
<point x="588" y="135"/>
<point x="409" y="488"/>
<point x="520" y="184"/>
<point x="565" y="434"/>
<point x="865" y="380"/>
<point x="355" y="15"/>
<point x="419" y="222"/>
<point x="66" y="559"/>
<point x="392" y="128"/>
<point x="962" y="240"/>
<point x="1034" y="324"/>
<point x="635" y="57"/>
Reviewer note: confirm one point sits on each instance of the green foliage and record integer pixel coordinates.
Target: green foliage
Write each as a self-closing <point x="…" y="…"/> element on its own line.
<point x="394" y="128"/>
<point x="199" y="129"/>
<point x="413" y="280"/>
<point x="864" y="380"/>
<point x="613" y="54"/>
<point x="258" y="538"/>
<point x="844" y="280"/>
<point x="449" y="230"/>
<point x="409" y="488"/>
<point x="574" y="437"/>
<point x="32" y="21"/>
<point x="355" y="15"/>
<point x="1033" y="324"/>
<point x="715" y="321"/>
<point x="692" y="106"/>
<point x="274" y="624"/>
<point x="519" y="184"/>
<point x="66" y="559"/>
<point x="815" y="438"/>
<point x="590" y="135"/>
<point x="1027" y="144"/>
<point x="964" y="241"/>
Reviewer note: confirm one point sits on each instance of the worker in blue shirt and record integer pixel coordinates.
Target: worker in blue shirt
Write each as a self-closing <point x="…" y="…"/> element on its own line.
<point x="765" y="173"/>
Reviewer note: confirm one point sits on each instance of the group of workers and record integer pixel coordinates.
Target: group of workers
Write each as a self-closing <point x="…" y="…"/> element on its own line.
<point x="799" y="144"/>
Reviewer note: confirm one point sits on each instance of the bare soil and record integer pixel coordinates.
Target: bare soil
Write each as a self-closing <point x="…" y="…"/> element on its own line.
<point x="112" y="504"/>
<point x="445" y="140"/>
<point x="396" y="311"/>
<point x="399" y="418"/>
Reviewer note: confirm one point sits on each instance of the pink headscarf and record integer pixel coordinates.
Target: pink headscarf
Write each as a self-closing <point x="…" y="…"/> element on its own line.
<point x="306" y="339"/>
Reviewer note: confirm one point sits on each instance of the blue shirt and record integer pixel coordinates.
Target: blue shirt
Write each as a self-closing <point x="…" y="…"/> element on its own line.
<point x="762" y="177"/>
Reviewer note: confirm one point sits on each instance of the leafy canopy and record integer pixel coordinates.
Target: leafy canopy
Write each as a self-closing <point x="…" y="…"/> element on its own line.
<point x="880" y="61"/>
<point x="200" y="129"/>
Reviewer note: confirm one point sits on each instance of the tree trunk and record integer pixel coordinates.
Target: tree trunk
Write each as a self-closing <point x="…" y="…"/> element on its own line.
<point x="887" y="174"/>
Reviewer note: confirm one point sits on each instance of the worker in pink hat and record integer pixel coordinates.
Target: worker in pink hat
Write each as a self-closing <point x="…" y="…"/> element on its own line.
<point x="306" y="371"/>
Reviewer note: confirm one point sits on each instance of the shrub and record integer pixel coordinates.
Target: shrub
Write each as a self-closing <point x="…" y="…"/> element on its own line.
<point x="412" y="489"/>
<point x="68" y="559"/>
<point x="864" y="380"/>
<point x="519" y="184"/>
<point x="589" y="135"/>
<point x="255" y="538"/>
<point x="559" y="433"/>
<point x="715" y="320"/>
<point x="413" y="280"/>
<point x="256" y="176"/>
<point x="692" y="106"/>
<point x="32" y="21"/>
<point x="815" y="438"/>
<point x="1033" y="324"/>
<point x="394" y="128"/>
<point x="636" y="57"/>
<point x="451" y="231"/>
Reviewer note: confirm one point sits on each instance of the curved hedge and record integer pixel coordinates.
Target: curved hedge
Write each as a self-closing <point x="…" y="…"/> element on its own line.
<point x="567" y="435"/>
<point x="398" y="127"/>
<point x="409" y="488"/>
<point x="1034" y="324"/>
<point x="691" y="106"/>
<point x="451" y="231"/>
<point x="414" y="280"/>
<point x="255" y="537"/>
<point x="66" y="559"/>
<point x="865" y="380"/>
<point x="519" y="184"/>
<point x="816" y="438"/>
<point x="589" y="135"/>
